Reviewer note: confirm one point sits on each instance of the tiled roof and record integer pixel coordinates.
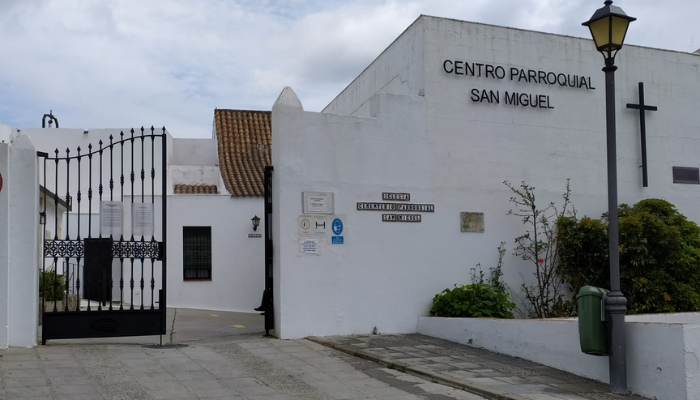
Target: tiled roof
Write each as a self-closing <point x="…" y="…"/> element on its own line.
<point x="195" y="189"/>
<point x="244" y="139"/>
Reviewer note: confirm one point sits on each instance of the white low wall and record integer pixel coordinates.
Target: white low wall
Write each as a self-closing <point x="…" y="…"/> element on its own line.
<point x="662" y="358"/>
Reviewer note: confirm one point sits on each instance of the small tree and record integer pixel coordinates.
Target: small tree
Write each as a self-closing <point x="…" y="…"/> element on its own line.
<point x="539" y="246"/>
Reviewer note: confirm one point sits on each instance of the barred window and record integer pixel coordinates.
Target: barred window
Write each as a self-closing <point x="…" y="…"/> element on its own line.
<point x="196" y="249"/>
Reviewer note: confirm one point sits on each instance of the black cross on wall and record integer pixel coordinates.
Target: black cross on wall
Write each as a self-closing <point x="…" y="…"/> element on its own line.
<point x="643" y="126"/>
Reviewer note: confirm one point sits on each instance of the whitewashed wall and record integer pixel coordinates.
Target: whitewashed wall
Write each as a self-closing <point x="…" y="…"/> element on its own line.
<point x="661" y="356"/>
<point x="238" y="264"/>
<point x="4" y="246"/>
<point x="446" y="149"/>
<point x="382" y="276"/>
<point x="398" y="70"/>
<point x="19" y="239"/>
<point x="195" y="152"/>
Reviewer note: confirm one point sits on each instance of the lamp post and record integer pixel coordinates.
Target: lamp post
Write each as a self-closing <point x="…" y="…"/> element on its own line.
<point x="608" y="26"/>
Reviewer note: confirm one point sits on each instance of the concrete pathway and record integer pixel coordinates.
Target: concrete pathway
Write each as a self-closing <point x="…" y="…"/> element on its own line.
<point x="492" y="375"/>
<point x="207" y="354"/>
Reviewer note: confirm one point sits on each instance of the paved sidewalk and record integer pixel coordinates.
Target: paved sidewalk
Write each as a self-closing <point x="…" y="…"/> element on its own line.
<point x="489" y="374"/>
<point x="207" y="355"/>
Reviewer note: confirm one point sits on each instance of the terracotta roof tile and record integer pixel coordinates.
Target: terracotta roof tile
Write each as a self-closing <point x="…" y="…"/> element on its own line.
<point x="244" y="138"/>
<point x="195" y="189"/>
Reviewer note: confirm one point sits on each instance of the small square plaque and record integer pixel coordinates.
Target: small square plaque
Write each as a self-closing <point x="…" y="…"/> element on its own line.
<point x="472" y="221"/>
<point x="317" y="202"/>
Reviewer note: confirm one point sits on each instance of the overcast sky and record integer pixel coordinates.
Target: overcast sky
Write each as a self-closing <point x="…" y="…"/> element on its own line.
<point x="123" y="63"/>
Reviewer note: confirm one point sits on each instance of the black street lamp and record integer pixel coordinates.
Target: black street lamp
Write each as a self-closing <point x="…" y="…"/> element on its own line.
<point x="608" y="27"/>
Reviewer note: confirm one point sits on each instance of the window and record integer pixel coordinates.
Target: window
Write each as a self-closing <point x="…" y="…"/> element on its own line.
<point x="196" y="252"/>
<point x="686" y="175"/>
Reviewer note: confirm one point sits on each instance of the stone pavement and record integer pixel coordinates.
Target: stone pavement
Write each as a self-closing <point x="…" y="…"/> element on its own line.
<point x="489" y="374"/>
<point x="205" y="356"/>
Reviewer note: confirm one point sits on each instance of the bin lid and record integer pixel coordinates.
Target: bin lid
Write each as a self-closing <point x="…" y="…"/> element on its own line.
<point x="592" y="291"/>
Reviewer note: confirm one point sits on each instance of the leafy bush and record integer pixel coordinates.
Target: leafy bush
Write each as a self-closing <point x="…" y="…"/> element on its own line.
<point x="485" y="297"/>
<point x="475" y="300"/>
<point x="659" y="256"/>
<point x="51" y="287"/>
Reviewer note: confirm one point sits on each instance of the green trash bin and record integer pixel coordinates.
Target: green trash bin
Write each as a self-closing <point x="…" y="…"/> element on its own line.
<point x="592" y="328"/>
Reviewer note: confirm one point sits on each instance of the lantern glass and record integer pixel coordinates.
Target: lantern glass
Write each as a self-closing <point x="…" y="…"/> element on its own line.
<point x="256" y="222"/>
<point x="609" y="27"/>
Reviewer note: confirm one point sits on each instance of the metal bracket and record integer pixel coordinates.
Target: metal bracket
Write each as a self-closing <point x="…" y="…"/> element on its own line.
<point x="602" y="308"/>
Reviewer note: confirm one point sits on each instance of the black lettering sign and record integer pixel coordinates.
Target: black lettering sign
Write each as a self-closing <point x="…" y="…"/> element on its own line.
<point x="408" y="218"/>
<point x="396" y="196"/>
<point x="362" y="206"/>
<point x="416" y="207"/>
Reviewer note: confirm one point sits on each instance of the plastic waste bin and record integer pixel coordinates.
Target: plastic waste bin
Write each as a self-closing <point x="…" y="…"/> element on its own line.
<point x="592" y="328"/>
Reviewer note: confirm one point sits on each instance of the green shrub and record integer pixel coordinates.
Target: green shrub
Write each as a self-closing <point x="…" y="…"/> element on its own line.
<point x="659" y="256"/>
<point x="475" y="300"/>
<point x="51" y="287"/>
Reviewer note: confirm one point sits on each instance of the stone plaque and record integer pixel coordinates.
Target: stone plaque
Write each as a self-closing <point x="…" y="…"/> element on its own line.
<point x="472" y="221"/>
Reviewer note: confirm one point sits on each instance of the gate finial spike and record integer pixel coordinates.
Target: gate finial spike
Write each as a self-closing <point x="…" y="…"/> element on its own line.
<point x="56" y="151"/>
<point x="163" y="130"/>
<point x="111" y="138"/>
<point x="132" y="131"/>
<point x="142" y="131"/>
<point x="89" y="146"/>
<point x="67" y="150"/>
<point x="121" y="134"/>
<point x="78" y="150"/>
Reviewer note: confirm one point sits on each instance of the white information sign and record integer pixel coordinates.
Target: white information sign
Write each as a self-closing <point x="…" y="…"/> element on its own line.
<point x="309" y="246"/>
<point x="111" y="218"/>
<point x="313" y="225"/>
<point x="142" y="221"/>
<point x="317" y="202"/>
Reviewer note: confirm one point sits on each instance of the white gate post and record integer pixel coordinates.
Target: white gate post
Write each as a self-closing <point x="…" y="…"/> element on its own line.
<point x="4" y="244"/>
<point x="23" y="193"/>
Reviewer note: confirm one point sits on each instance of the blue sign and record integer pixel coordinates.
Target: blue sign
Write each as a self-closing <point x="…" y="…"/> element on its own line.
<point x="337" y="239"/>
<point x="337" y="226"/>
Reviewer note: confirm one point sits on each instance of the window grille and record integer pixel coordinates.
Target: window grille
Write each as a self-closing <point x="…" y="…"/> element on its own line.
<point x="196" y="248"/>
<point x="686" y="175"/>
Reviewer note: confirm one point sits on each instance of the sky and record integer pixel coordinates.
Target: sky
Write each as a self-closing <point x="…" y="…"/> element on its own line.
<point x="132" y="63"/>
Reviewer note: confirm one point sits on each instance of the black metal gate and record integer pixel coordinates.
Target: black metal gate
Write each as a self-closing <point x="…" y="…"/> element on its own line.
<point x="269" y="309"/>
<point x="99" y="258"/>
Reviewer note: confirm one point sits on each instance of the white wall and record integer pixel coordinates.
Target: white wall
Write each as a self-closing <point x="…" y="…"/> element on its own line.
<point x="661" y="357"/>
<point x="195" y="152"/>
<point x="398" y="70"/>
<point x="4" y="245"/>
<point x="446" y="149"/>
<point x="475" y="146"/>
<point x="23" y="298"/>
<point x="195" y="175"/>
<point x="238" y="263"/>
<point x="383" y="276"/>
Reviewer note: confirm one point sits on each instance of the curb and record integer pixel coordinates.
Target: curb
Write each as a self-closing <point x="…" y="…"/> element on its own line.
<point x="432" y="376"/>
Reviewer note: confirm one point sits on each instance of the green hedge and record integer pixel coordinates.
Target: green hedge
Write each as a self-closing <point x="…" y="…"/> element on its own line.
<point x="659" y="256"/>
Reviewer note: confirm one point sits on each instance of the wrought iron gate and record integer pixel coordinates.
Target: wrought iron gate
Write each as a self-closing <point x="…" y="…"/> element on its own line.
<point x="99" y="257"/>
<point x="269" y="309"/>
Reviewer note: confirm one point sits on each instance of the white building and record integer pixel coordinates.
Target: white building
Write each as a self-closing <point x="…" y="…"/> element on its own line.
<point x="214" y="189"/>
<point x="446" y="113"/>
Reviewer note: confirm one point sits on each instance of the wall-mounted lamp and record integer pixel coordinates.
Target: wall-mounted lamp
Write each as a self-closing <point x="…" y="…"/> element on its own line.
<point x="256" y="222"/>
